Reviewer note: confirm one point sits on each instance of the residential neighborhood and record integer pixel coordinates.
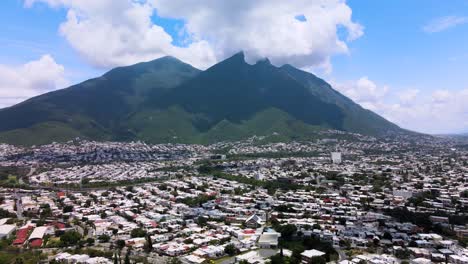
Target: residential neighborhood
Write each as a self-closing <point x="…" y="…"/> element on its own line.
<point x="355" y="199"/>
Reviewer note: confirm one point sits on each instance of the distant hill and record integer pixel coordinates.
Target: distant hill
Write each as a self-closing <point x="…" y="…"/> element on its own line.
<point x="166" y="100"/>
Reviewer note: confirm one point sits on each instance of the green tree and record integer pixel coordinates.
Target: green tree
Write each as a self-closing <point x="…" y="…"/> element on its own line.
<point x="148" y="244"/>
<point x="120" y="244"/>
<point x="70" y="238"/>
<point x="127" y="257"/>
<point x="90" y="241"/>
<point x="104" y="238"/>
<point x="318" y="260"/>
<point x="138" y="232"/>
<point x="230" y="249"/>
<point x="68" y="208"/>
<point x="174" y="261"/>
<point x="287" y="231"/>
<point x="402" y="254"/>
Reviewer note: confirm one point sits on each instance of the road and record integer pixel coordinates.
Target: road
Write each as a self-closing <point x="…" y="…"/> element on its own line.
<point x="341" y="254"/>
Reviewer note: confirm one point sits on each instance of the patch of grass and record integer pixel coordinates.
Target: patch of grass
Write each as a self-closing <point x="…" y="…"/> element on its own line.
<point x="15" y="256"/>
<point x="9" y="181"/>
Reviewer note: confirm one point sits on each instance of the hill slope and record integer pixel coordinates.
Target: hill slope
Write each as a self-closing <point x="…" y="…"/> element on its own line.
<point x="94" y="109"/>
<point x="166" y="100"/>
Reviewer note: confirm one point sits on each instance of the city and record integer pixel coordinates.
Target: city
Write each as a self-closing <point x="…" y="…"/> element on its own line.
<point x="351" y="199"/>
<point x="233" y="132"/>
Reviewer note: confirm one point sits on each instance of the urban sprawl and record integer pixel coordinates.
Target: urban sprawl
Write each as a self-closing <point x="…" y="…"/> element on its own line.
<point x="342" y="198"/>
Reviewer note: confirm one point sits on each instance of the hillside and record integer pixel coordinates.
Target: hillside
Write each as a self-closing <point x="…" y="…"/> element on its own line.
<point x="166" y="100"/>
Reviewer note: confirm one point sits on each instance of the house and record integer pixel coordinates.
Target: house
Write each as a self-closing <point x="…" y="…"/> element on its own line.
<point x="36" y="237"/>
<point x="192" y="259"/>
<point x="308" y="255"/>
<point x="421" y="261"/>
<point x="458" y="259"/>
<point x="269" y="239"/>
<point x="252" y="257"/>
<point x="6" y="231"/>
<point x="22" y="235"/>
<point x="254" y="221"/>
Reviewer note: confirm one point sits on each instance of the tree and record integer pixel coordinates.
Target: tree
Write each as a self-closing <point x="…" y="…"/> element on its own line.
<point x="70" y="238"/>
<point x="287" y="231"/>
<point x="402" y="254"/>
<point x="317" y="226"/>
<point x="6" y="214"/>
<point x="318" y="260"/>
<point x="68" y="208"/>
<point x="116" y="258"/>
<point x="387" y="235"/>
<point x="120" y="244"/>
<point x="90" y="241"/>
<point x="127" y="257"/>
<point x="277" y="259"/>
<point x="174" y="261"/>
<point x="201" y="221"/>
<point x="104" y="238"/>
<point x="296" y="253"/>
<point x="148" y="244"/>
<point x="230" y="249"/>
<point x="138" y="232"/>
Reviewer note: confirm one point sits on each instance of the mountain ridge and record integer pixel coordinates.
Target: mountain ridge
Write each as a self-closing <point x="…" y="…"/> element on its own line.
<point x="167" y="100"/>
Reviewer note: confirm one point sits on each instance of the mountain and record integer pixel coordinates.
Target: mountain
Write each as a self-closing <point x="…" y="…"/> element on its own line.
<point x="166" y="100"/>
<point x="96" y="109"/>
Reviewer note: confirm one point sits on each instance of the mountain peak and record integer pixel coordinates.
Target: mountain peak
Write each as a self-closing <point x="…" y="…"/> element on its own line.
<point x="238" y="57"/>
<point x="154" y="100"/>
<point x="167" y="58"/>
<point x="264" y="61"/>
<point x="143" y="67"/>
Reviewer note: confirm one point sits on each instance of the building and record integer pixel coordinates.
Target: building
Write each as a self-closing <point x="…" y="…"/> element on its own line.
<point x="336" y="157"/>
<point x="6" y="231"/>
<point x="254" y="221"/>
<point x="37" y="235"/>
<point x="269" y="239"/>
<point x="308" y="255"/>
<point x="252" y="257"/>
<point x="22" y="235"/>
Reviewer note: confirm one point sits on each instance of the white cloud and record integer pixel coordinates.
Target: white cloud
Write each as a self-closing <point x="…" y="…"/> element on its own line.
<point x="116" y="32"/>
<point x="439" y="111"/>
<point x="109" y="33"/>
<point x="268" y="28"/>
<point x="18" y="83"/>
<point x="363" y="91"/>
<point x="408" y="97"/>
<point x="432" y="113"/>
<point x="444" y="23"/>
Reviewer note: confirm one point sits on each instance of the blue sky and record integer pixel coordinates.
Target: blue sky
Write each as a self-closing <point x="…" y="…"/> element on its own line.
<point x="395" y="49"/>
<point x="406" y="60"/>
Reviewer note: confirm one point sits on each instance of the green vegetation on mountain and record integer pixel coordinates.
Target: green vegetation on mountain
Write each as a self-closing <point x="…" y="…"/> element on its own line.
<point x="166" y="100"/>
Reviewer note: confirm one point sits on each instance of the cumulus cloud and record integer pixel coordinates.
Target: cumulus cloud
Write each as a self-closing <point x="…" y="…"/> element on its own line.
<point x="18" y="83"/>
<point x="408" y="97"/>
<point x="444" y="23"/>
<point x="439" y="111"/>
<point x="117" y="32"/>
<point x="269" y="28"/>
<point x="432" y="113"/>
<point x="363" y="91"/>
<point x="109" y="33"/>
